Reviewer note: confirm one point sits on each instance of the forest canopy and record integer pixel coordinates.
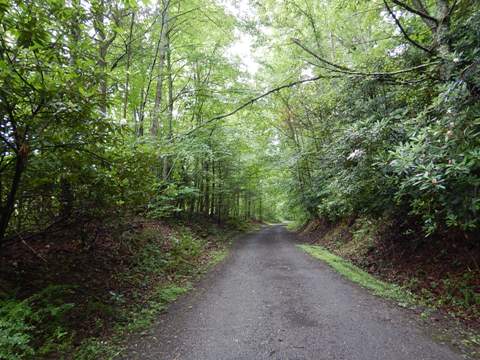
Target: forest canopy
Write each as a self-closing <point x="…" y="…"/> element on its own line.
<point x="337" y="109"/>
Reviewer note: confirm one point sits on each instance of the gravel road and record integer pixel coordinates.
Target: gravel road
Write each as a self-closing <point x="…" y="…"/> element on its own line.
<point x="269" y="300"/>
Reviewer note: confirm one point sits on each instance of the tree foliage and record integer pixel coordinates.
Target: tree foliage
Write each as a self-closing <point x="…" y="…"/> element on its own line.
<point x="114" y="107"/>
<point x="104" y="107"/>
<point x="394" y="130"/>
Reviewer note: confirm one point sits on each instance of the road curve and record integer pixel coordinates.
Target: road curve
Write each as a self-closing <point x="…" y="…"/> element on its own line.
<point x="269" y="300"/>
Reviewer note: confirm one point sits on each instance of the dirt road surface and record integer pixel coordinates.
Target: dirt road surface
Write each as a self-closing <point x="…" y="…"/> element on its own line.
<point x="269" y="300"/>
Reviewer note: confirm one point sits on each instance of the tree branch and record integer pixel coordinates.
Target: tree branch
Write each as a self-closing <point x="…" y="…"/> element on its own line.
<point x="348" y="71"/>
<point x="418" y="12"/>
<point x="452" y="8"/>
<point x="255" y="99"/>
<point x="399" y="24"/>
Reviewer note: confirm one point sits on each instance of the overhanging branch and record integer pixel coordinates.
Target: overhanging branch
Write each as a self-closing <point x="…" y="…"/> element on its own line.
<point x="418" y="12"/>
<point x="345" y="70"/>
<point x="399" y="24"/>
<point x="254" y="100"/>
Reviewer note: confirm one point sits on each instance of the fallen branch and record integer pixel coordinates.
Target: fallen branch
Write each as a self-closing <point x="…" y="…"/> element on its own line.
<point x="32" y="250"/>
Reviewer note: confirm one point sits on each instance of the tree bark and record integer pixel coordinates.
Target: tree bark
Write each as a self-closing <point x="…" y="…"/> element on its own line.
<point x="20" y="165"/>
<point x="167" y="168"/>
<point x="154" y="130"/>
<point x="127" y="67"/>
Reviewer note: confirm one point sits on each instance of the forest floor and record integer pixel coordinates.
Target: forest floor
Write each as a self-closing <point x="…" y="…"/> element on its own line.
<point x="109" y="295"/>
<point x="64" y="296"/>
<point x="270" y="300"/>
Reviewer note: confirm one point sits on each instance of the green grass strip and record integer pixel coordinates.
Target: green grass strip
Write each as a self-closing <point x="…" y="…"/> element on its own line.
<point x="364" y="279"/>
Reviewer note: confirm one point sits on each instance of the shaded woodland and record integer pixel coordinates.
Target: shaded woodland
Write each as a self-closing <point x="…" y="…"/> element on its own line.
<point x="121" y="120"/>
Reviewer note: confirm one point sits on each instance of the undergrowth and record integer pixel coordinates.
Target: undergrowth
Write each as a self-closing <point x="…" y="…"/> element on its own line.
<point x="181" y="260"/>
<point x="136" y="319"/>
<point x="34" y="326"/>
<point x="161" y="267"/>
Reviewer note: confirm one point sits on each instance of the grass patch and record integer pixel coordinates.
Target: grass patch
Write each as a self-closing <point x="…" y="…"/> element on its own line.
<point x="293" y="225"/>
<point x="390" y="291"/>
<point x="216" y="257"/>
<point x="142" y="317"/>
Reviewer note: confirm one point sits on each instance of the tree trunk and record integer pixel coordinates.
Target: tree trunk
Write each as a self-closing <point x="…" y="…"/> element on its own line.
<point x="212" y="205"/>
<point x="167" y="167"/>
<point x="206" y="201"/>
<point x="161" y="65"/>
<point x="127" y="68"/>
<point x="99" y="26"/>
<point x="7" y="210"/>
<point x="66" y="198"/>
